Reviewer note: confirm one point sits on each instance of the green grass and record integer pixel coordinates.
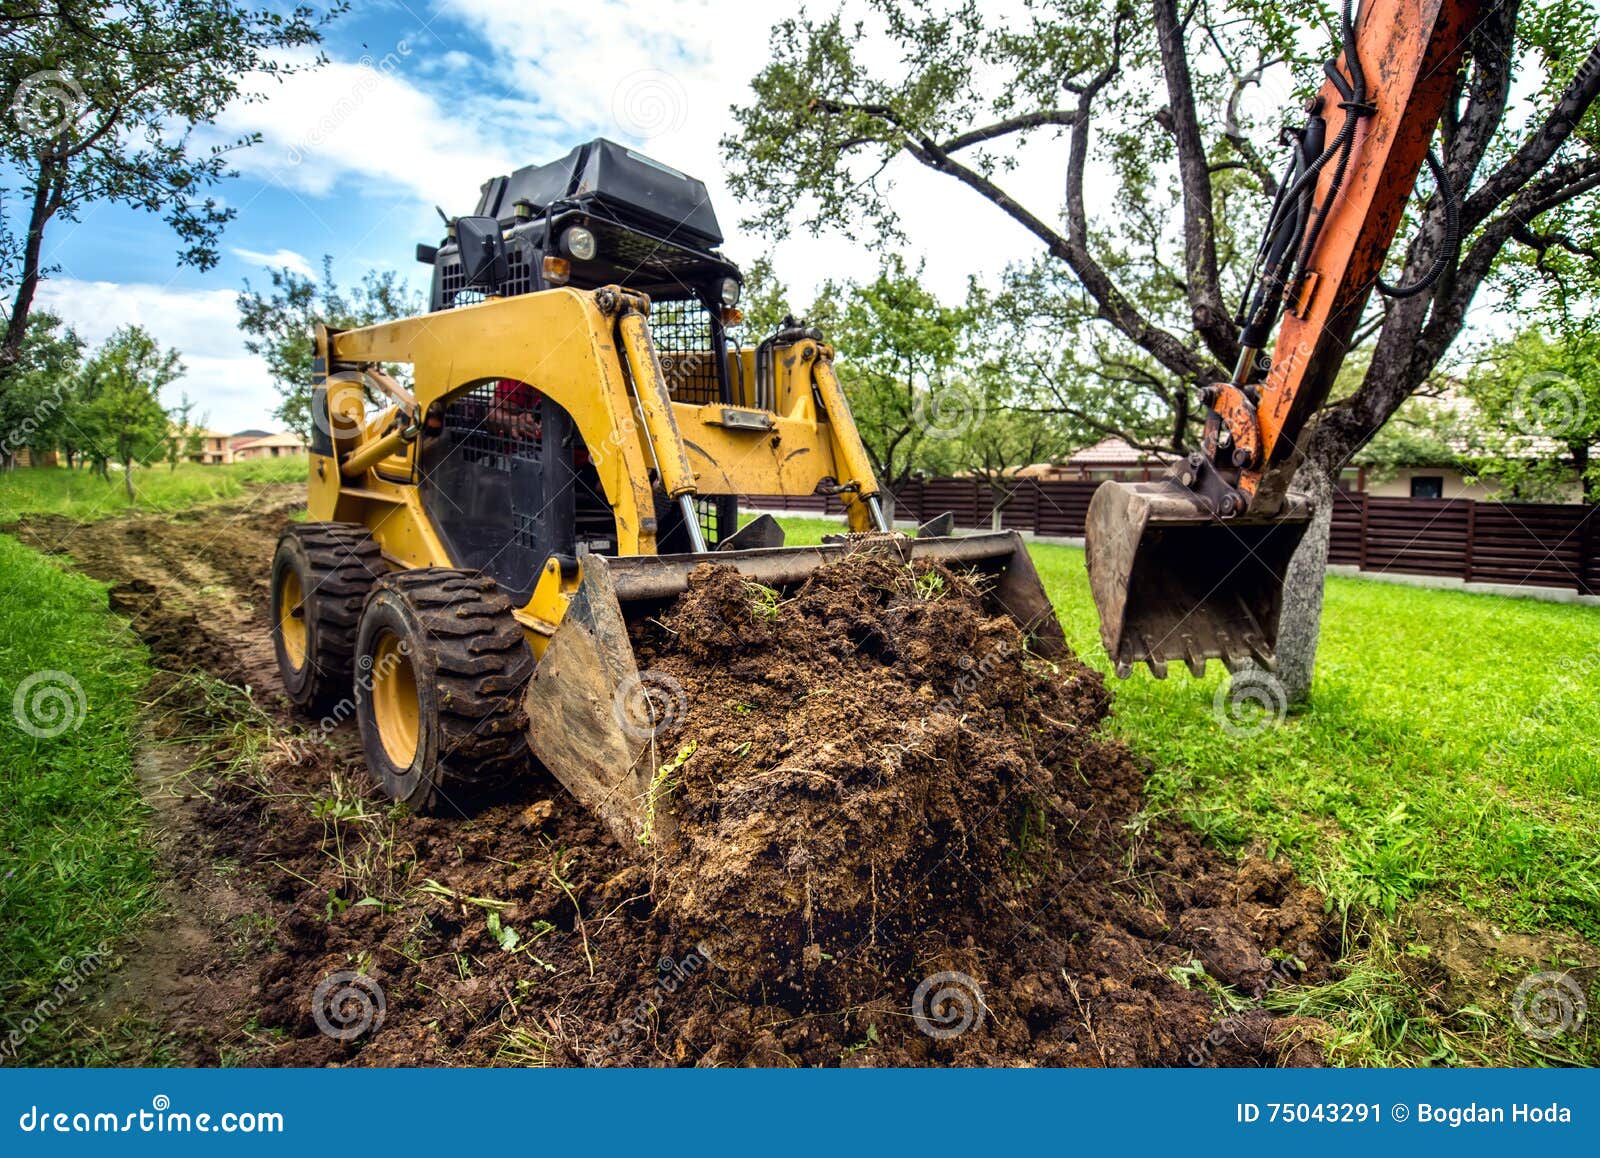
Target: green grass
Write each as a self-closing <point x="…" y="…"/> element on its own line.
<point x="77" y="873"/>
<point x="1452" y="748"/>
<point x="80" y="495"/>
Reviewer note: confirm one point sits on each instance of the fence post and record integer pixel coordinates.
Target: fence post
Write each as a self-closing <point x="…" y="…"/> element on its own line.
<point x="1361" y="560"/>
<point x="1472" y="541"/>
<point x="1589" y="563"/>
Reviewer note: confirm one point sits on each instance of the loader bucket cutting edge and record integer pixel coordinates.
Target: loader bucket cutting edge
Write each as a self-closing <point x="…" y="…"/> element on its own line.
<point x="588" y="668"/>
<point x="1171" y="581"/>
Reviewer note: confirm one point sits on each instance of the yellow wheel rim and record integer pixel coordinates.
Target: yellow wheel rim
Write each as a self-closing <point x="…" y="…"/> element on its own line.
<point x="292" y="618"/>
<point x="395" y="706"/>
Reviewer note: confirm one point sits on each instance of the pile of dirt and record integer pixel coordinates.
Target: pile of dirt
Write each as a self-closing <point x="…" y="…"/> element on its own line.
<point x="874" y="783"/>
<point x="896" y="840"/>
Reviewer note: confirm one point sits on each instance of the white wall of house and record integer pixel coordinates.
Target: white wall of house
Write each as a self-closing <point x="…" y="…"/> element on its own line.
<point x="1404" y="485"/>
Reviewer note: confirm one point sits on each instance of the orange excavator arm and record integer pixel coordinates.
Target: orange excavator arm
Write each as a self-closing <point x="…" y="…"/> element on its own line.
<point x="1192" y="567"/>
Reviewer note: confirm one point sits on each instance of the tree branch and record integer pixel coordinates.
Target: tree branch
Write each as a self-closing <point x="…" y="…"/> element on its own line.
<point x="1010" y="125"/>
<point x="1211" y="317"/>
<point x="1536" y="151"/>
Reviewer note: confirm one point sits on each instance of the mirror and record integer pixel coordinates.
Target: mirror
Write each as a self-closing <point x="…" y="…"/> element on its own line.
<point x="483" y="253"/>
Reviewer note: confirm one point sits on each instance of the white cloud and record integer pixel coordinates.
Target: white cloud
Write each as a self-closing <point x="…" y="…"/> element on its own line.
<point x="277" y="259"/>
<point x="228" y="384"/>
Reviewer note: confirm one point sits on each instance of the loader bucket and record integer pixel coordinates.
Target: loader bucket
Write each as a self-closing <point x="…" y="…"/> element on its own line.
<point x="1173" y="581"/>
<point x="590" y="707"/>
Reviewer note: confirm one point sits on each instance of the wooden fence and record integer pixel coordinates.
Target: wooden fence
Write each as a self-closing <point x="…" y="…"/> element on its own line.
<point x="1520" y="544"/>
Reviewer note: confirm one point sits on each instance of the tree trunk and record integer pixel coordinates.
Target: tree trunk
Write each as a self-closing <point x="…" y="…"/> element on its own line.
<point x="1301" y="622"/>
<point x="16" y="330"/>
<point x="127" y="477"/>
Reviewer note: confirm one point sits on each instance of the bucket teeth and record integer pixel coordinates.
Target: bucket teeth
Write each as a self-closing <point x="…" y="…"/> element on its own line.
<point x="1172" y="581"/>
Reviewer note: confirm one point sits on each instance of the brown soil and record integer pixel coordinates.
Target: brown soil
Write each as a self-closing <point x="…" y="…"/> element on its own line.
<point x="871" y="792"/>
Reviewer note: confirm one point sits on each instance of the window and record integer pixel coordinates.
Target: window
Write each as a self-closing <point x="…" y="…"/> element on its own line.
<point x="1427" y="486"/>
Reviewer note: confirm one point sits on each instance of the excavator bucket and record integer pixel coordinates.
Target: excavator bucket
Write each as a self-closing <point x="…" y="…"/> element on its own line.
<point x="1172" y="581"/>
<point x="592" y="711"/>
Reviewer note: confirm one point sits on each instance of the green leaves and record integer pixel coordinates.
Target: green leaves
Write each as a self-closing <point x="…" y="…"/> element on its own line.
<point x="279" y="323"/>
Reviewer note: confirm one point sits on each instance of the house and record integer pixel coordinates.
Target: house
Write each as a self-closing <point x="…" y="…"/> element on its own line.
<point x="215" y="447"/>
<point x="1111" y="459"/>
<point x="280" y="445"/>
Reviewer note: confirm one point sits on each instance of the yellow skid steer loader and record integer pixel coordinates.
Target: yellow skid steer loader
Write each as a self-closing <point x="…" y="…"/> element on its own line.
<point x="576" y="431"/>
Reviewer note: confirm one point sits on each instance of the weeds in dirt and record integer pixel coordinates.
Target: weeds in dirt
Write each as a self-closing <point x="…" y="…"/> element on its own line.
<point x="764" y="601"/>
<point x="661" y="786"/>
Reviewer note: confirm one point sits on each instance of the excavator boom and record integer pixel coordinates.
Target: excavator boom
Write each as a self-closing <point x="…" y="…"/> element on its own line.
<point x="1192" y="567"/>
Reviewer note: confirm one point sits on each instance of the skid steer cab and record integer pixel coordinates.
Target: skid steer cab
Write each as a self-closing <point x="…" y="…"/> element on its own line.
<point x="498" y="487"/>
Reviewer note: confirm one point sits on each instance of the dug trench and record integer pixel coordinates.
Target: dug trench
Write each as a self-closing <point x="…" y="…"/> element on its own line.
<point x="887" y="835"/>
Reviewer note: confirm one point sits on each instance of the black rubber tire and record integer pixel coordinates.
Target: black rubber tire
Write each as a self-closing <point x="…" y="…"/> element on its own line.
<point x="470" y="663"/>
<point x="336" y="565"/>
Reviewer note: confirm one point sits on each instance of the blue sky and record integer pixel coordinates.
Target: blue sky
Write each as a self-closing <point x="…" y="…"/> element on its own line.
<point x="420" y="104"/>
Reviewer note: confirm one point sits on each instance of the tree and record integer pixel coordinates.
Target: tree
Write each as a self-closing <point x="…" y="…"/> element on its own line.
<point x="120" y="407"/>
<point x="900" y="357"/>
<point x="101" y="100"/>
<point x="1539" y="396"/>
<point x="34" y="411"/>
<point x="280" y="324"/>
<point x="959" y="90"/>
<point x="185" y="436"/>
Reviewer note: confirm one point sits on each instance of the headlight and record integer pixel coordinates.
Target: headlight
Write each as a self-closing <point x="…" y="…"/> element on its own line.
<point x="579" y="243"/>
<point x="730" y="291"/>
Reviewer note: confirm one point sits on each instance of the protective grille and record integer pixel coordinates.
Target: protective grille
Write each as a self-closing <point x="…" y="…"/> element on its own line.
<point x="712" y="512"/>
<point x="685" y="338"/>
<point x="495" y="424"/>
<point x="452" y="283"/>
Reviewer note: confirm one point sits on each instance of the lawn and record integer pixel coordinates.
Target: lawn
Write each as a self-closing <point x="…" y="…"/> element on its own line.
<point x="77" y="871"/>
<point x="80" y="495"/>
<point x="1452" y="749"/>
